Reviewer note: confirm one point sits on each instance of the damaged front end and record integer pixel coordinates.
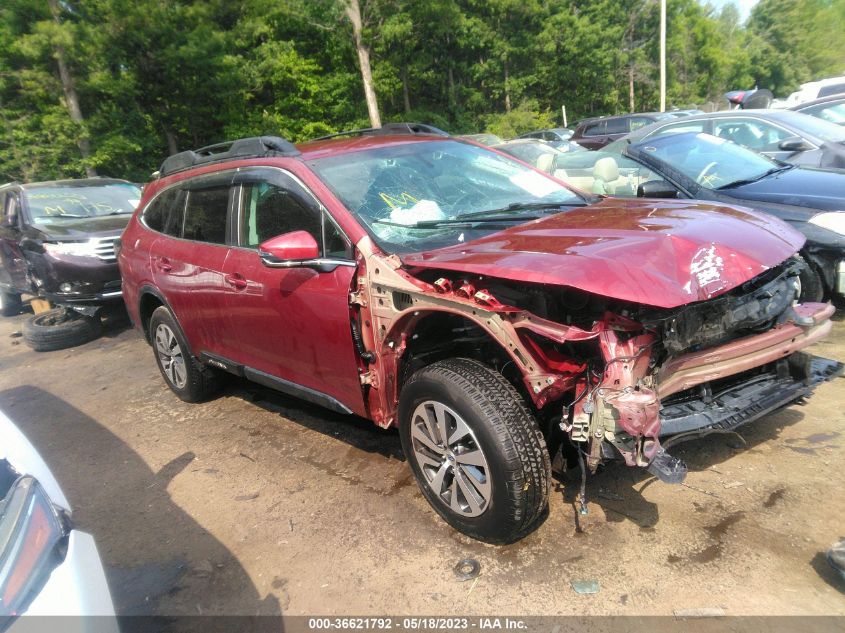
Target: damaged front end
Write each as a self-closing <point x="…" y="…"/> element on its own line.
<point x="608" y="379"/>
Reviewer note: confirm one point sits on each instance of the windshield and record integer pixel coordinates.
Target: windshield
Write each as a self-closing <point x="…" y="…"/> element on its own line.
<point x="532" y="153"/>
<point x="48" y="205"/>
<point x="825" y="130"/>
<point x="423" y="195"/>
<point x="712" y="162"/>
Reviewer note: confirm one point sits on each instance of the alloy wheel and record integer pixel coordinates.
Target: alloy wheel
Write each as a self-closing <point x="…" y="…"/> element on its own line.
<point x="171" y="357"/>
<point x="450" y="458"/>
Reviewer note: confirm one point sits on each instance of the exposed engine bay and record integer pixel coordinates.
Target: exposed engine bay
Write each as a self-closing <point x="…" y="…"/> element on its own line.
<point x="608" y="379"/>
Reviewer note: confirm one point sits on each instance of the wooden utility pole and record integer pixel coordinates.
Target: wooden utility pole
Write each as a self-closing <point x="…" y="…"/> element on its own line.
<point x="353" y="12"/>
<point x="71" y="98"/>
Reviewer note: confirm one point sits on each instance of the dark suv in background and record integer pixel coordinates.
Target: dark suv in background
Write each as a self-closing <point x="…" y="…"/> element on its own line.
<point x="596" y="133"/>
<point x="57" y="244"/>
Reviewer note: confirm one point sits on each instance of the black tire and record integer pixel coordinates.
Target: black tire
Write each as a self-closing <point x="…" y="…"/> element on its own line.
<point x="10" y="303"/>
<point x="502" y="427"/>
<point x="199" y="382"/>
<point x="59" y="328"/>
<point x="812" y="287"/>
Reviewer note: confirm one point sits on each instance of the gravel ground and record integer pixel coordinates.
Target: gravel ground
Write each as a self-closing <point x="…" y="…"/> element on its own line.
<point x="255" y="503"/>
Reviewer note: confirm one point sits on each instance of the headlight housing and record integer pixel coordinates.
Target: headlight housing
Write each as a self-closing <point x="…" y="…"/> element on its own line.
<point x="79" y="249"/>
<point x="830" y="220"/>
<point x="30" y="531"/>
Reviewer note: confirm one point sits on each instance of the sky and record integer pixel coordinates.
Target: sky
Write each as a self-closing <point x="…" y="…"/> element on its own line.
<point x="744" y="6"/>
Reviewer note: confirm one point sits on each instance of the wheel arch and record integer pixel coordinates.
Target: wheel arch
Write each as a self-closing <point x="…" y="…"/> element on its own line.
<point x="424" y="336"/>
<point x="149" y="298"/>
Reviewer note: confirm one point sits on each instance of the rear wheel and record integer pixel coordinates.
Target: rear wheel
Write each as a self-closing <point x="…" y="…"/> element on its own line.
<point x="10" y="303"/>
<point x="186" y="377"/>
<point x="60" y="328"/>
<point x="475" y="449"/>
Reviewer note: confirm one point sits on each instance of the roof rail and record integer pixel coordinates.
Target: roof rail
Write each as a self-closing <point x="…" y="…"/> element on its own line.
<point x="254" y="147"/>
<point x="390" y="128"/>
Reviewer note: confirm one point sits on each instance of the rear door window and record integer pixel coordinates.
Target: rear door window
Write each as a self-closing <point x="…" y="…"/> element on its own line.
<point x="206" y="214"/>
<point x="617" y="126"/>
<point x="594" y="129"/>
<point x="166" y="212"/>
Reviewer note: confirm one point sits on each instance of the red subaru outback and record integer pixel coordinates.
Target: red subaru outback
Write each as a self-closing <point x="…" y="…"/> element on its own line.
<point x="499" y="319"/>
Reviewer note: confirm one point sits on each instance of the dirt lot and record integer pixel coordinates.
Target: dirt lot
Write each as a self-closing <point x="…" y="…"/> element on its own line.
<point x="258" y="503"/>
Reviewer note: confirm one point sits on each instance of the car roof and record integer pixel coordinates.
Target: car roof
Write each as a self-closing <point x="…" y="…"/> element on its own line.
<point x="821" y="100"/>
<point x="312" y="150"/>
<point x="75" y="182"/>
<point x="784" y="117"/>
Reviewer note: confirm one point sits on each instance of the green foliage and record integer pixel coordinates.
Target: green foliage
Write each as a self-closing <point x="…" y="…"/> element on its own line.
<point x="519" y="120"/>
<point x="154" y="76"/>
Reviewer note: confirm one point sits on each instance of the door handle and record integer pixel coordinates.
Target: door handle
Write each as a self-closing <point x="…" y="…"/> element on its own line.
<point x="163" y="264"/>
<point x="236" y="281"/>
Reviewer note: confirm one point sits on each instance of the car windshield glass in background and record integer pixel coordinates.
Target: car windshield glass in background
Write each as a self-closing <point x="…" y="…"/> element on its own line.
<point x="51" y="204"/>
<point x="834" y="113"/>
<point x="711" y="162"/>
<point x="409" y="196"/>
<point x="821" y="129"/>
<point x="528" y="152"/>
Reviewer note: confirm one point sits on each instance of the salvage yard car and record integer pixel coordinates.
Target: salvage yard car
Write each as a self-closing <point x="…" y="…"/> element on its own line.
<point x="783" y="135"/>
<point x="57" y="243"/>
<point x="499" y="319"/>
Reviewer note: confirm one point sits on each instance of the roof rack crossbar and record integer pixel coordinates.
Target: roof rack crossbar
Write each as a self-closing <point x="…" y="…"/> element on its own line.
<point x="389" y="128"/>
<point x="253" y="147"/>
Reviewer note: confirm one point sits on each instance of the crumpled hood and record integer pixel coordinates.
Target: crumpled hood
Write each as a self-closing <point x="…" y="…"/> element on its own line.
<point x="83" y="228"/>
<point x="660" y="253"/>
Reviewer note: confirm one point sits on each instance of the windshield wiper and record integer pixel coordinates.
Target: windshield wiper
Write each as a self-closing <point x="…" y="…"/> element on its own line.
<point x="746" y="181"/>
<point x="433" y="224"/>
<point x="118" y="213"/>
<point x="510" y="213"/>
<point x="521" y="206"/>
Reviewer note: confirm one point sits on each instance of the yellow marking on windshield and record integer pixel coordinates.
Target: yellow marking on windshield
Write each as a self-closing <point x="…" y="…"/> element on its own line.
<point x="398" y="201"/>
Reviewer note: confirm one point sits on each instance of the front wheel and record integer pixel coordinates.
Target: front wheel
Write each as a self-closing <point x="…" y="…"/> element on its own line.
<point x="809" y="286"/>
<point x="475" y="449"/>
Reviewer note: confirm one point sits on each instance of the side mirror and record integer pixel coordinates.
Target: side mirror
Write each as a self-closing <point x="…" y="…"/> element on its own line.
<point x="29" y="244"/>
<point x="289" y="250"/>
<point x="794" y="144"/>
<point x="656" y="189"/>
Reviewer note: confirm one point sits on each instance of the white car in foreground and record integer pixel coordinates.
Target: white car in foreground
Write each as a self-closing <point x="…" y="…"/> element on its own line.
<point x="46" y="566"/>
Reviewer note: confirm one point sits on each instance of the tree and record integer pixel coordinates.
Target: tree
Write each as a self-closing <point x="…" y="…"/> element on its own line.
<point x="352" y="10"/>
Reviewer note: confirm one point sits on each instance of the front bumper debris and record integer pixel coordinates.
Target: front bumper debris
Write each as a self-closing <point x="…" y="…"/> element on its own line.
<point x="749" y="399"/>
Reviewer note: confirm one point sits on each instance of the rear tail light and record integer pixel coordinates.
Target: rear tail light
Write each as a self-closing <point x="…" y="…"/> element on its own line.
<point x="30" y="532"/>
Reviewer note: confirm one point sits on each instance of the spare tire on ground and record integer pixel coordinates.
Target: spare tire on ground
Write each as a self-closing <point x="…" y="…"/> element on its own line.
<point x="59" y="329"/>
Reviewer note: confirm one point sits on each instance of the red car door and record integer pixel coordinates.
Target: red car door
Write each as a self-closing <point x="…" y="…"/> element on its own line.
<point x="188" y="264"/>
<point x="292" y="324"/>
